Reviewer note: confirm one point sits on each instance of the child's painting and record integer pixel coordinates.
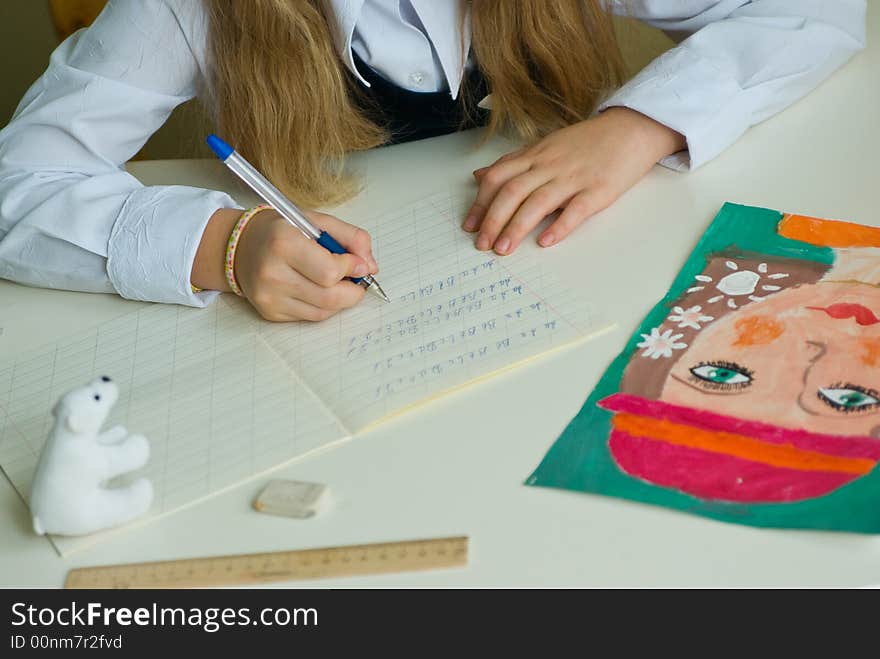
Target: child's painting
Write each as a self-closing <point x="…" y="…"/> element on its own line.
<point x="750" y="392"/>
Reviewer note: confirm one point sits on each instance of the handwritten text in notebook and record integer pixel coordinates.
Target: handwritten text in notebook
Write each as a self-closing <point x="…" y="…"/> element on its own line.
<point x="457" y="314"/>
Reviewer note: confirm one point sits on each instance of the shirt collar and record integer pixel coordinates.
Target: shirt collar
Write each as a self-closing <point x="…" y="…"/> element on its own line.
<point x="442" y="20"/>
<point x="345" y="13"/>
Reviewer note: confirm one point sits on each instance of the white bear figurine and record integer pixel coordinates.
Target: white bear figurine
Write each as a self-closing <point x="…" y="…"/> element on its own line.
<point x="68" y="496"/>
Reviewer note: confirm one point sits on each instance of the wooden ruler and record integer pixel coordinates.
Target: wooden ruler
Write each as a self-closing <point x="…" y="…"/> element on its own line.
<point x="248" y="569"/>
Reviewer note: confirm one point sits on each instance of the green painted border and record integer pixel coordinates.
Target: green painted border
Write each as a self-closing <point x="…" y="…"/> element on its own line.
<point x="580" y="459"/>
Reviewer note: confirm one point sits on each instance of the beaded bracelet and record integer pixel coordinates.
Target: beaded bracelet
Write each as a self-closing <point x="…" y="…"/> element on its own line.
<point x="232" y="244"/>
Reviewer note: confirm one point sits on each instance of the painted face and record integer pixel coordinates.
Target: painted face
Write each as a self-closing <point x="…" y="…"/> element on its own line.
<point x="805" y="358"/>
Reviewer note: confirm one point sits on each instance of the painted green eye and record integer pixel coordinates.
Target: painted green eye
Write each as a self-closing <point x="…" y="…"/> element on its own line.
<point x="722" y="374"/>
<point x="848" y="398"/>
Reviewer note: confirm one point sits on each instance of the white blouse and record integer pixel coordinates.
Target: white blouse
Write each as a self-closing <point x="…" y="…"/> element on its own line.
<point x="71" y="217"/>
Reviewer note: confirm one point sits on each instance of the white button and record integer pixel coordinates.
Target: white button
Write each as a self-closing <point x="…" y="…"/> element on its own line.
<point x="418" y="78"/>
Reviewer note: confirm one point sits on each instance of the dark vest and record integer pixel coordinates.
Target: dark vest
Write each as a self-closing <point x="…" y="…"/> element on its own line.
<point x="409" y="115"/>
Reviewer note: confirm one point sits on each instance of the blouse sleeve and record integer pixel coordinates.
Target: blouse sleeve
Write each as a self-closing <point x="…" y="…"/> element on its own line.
<point x="739" y="63"/>
<point x="71" y="217"/>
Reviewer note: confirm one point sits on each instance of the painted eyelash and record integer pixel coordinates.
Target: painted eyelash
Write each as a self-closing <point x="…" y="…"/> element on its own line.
<point x="722" y="386"/>
<point x="873" y="393"/>
<point x="866" y="391"/>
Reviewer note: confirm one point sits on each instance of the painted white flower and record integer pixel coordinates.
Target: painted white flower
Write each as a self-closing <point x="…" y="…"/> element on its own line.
<point x="689" y="317"/>
<point x="661" y="345"/>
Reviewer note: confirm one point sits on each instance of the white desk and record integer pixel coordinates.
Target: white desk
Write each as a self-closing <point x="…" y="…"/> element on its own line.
<point x="457" y="465"/>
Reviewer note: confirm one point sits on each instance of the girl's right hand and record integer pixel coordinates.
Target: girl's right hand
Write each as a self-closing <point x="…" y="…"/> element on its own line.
<point x="287" y="276"/>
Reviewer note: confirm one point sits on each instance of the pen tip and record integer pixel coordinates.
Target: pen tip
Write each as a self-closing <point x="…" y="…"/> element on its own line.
<point x="375" y="286"/>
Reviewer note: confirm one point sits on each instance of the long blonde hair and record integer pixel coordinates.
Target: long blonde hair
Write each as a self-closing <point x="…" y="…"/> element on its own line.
<point x="280" y="92"/>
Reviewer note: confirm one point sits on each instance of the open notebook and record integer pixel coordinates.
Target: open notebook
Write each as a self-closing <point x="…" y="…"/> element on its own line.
<point x="224" y="396"/>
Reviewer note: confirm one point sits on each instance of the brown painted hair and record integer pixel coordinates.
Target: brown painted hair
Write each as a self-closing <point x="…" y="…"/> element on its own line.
<point x="278" y="88"/>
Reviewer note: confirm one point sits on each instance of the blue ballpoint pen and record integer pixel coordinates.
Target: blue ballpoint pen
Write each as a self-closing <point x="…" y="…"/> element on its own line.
<point x="288" y="210"/>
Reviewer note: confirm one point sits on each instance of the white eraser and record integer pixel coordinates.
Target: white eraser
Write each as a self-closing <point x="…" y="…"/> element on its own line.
<point x="293" y="499"/>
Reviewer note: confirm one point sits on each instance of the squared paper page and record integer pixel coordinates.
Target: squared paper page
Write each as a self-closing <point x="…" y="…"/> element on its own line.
<point x="216" y="404"/>
<point x="456" y="315"/>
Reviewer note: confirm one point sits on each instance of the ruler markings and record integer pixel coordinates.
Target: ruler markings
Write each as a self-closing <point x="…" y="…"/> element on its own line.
<point x="248" y="569"/>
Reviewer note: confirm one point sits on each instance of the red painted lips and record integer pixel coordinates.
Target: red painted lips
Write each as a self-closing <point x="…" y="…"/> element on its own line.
<point x="863" y="315"/>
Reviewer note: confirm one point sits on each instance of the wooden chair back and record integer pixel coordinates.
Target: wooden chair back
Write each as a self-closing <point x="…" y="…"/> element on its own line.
<point x="71" y="15"/>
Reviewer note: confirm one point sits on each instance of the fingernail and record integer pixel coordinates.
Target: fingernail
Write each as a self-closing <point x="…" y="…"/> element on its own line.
<point x="470" y="223"/>
<point x="547" y="239"/>
<point x="502" y="246"/>
<point x="482" y="243"/>
<point x="360" y="270"/>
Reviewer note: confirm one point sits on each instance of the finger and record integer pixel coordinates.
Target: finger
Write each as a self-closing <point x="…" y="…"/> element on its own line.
<point x="353" y="238"/>
<point x="490" y="183"/>
<point x="291" y="309"/>
<point x="321" y="266"/>
<point x="342" y="295"/>
<point x="506" y="202"/>
<point x="478" y="173"/>
<point x="582" y="206"/>
<point x="535" y="208"/>
<point x="273" y="296"/>
<point x="279" y="300"/>
<point x="510" y="155"/>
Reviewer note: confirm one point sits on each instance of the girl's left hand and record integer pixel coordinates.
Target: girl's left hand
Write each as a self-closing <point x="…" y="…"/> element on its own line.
<point x="581" y="169"/>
